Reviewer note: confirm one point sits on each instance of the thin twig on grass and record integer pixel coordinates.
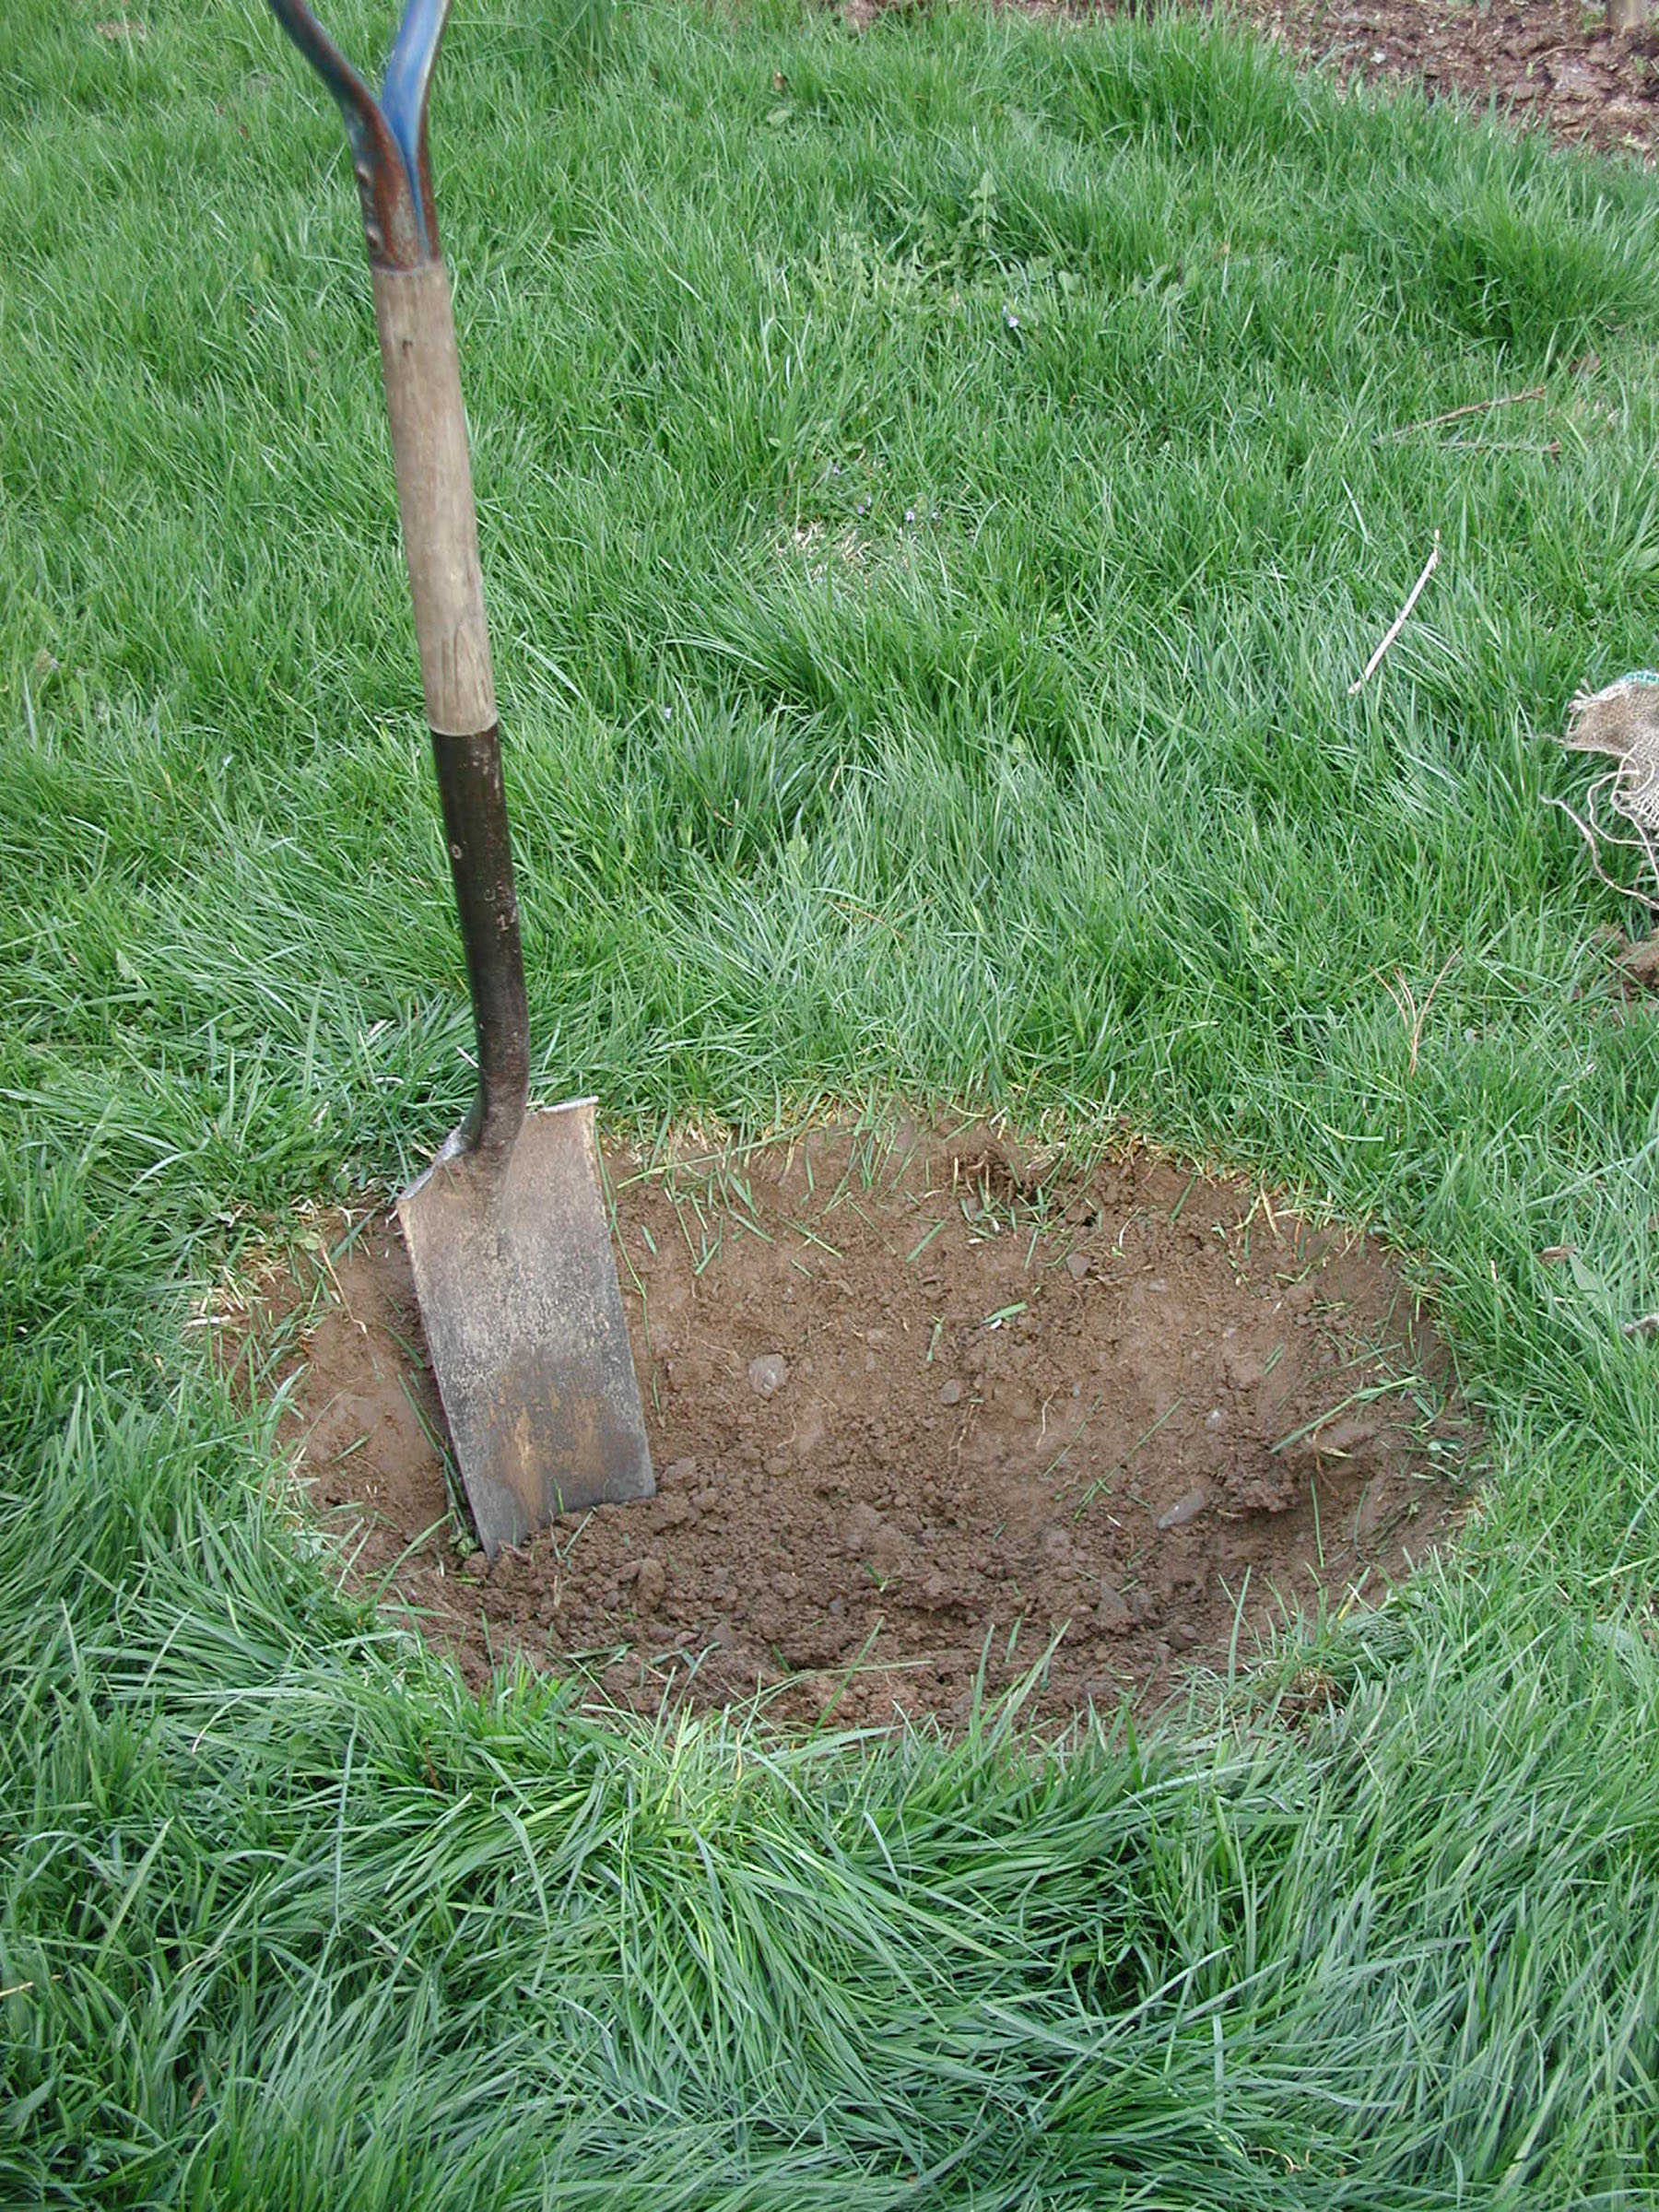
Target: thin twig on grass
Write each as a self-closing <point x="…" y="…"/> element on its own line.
<point x="1399" y="622"/>
<point x="1476" y="407"/>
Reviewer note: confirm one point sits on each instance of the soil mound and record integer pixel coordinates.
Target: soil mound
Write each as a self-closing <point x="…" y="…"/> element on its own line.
<point x="920" y="1414"/>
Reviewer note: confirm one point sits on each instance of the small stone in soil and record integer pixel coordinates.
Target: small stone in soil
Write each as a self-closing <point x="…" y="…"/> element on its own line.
<point x="767" y="1374"/>
<point x="950" y="1394"/>
<point x="1187" y="1507"/>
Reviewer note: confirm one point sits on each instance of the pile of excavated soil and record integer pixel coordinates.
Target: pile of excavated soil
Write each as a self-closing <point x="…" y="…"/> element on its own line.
<point x="919" y="1416"/>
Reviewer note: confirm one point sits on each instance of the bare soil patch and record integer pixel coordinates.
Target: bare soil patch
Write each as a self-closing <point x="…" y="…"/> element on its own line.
<point x="921" y="1414"/>
<point x="1550" y="64"/>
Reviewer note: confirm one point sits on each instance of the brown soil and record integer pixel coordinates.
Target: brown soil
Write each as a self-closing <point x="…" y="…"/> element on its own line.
<point x="1553" y="63"/>
<point x="916" y="1410"/>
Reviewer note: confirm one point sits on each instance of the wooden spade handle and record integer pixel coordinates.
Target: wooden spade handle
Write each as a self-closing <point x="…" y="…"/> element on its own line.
<point x="441" y="546"/>
<point x="422" y="372"/>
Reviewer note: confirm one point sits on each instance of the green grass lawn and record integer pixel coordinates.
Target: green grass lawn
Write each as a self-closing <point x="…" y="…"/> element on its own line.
<point x="936" y="492"/>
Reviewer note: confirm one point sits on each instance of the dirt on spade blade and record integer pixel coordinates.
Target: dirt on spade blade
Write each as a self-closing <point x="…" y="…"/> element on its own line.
<point x="920" y="1414"/>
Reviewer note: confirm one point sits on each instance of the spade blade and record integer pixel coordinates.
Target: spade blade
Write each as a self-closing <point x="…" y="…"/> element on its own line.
<point x="523" y="1320"/>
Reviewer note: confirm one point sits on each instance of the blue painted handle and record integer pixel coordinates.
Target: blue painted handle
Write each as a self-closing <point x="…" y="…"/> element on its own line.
<point x="389" y="134"/>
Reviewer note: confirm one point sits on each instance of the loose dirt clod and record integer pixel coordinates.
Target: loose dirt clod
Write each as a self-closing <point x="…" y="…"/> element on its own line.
<point x="950" y="1452"/>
